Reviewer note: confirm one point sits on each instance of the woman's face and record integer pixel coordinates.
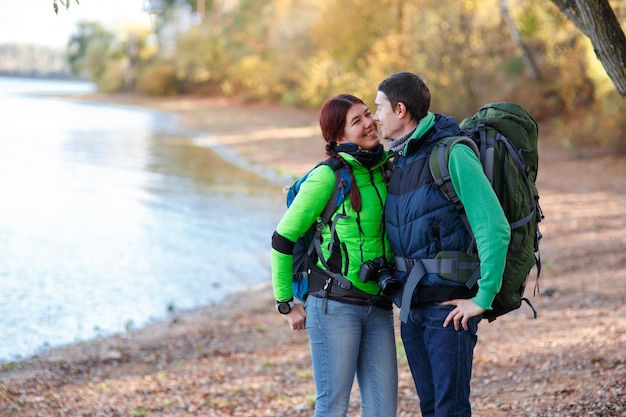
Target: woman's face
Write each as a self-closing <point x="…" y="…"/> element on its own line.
<point x="361" y="128"/>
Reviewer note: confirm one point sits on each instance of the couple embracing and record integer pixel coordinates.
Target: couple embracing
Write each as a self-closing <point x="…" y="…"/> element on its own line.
<point x="394" y="216"/>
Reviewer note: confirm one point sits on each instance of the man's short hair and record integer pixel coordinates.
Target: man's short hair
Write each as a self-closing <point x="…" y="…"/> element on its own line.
<point x="409" y="89"/>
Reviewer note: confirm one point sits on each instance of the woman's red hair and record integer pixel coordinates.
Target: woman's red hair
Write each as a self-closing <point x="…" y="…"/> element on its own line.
<point x="333" y="123"/>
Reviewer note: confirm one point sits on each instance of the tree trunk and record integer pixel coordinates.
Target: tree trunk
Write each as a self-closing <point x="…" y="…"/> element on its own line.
<point x="596" y="19"/>
<point x="201" y="6"/>
<point x="133" y="61"/>
<point x="527" y="57"/>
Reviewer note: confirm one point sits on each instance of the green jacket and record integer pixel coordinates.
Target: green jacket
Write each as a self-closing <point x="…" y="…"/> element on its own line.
<point x="361" y="234"/>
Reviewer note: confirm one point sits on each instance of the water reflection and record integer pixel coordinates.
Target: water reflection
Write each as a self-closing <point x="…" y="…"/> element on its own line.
<point x="107" y="219"/>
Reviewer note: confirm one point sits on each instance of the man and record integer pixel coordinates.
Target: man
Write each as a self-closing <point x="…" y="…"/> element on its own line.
<point x="440" y="305"/>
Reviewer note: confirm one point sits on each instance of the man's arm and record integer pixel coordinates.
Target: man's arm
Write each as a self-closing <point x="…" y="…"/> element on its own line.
<point x="489" y="225"/>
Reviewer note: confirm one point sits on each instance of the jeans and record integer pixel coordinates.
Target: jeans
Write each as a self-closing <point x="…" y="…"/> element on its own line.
<point x="349" y="340"/>
<point x="440" y="360"/>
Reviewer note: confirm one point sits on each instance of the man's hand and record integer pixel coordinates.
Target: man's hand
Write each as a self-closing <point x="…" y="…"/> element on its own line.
<point x="296" y="317"/>
<point x="465" y="309"/>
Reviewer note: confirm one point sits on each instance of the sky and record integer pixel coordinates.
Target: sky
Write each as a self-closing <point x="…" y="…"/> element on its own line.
<point x="34" y="21"/>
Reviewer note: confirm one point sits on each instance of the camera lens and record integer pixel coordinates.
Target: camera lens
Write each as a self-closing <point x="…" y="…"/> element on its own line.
<point x="389" y="284"/>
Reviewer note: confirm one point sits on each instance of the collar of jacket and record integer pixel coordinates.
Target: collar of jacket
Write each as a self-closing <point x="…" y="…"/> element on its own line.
<point x="423" y="127"/>
<point x="354" y="162"/>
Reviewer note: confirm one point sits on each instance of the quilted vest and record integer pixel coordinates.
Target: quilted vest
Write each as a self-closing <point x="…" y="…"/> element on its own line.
<point x="420" y="221"/>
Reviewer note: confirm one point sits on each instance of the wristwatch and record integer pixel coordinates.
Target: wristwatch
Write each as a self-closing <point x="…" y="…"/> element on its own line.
<point x="284" y="307"/>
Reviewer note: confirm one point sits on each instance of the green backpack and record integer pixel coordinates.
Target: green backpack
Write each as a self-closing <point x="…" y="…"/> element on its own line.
<point x="504" y="137"/>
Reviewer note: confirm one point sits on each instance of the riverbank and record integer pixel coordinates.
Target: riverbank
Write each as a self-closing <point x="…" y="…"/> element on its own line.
<point x="261" y="137"/>
<point x="238" y="358"/>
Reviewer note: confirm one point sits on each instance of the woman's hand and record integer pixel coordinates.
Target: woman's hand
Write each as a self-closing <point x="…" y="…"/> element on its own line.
<point x="296" y="317"/>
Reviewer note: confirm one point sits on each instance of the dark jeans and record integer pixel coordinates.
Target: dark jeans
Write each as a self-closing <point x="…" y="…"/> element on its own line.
<point x="440" y="360"/>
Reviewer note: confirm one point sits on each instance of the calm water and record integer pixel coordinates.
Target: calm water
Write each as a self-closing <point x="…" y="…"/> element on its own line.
<point x="109" y="218"/>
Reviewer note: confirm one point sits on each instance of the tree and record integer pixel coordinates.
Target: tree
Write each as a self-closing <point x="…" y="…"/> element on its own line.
<point x="527" y="56"/>
<point x="596" y="20"/>
<point x="65" y="3"/>
<point x="87" y="33"/>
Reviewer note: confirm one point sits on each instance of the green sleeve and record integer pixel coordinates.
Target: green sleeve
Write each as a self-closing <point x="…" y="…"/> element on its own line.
<point x="486" y="218"/>
<point x="304" y="210"/>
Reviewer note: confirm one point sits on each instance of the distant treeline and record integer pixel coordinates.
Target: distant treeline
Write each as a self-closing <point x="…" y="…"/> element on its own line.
<point x="33" y="61"/>
<point x="301" y="52"/>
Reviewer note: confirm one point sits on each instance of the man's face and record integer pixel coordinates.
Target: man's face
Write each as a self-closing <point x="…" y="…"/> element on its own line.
<point x="388" y="121"/>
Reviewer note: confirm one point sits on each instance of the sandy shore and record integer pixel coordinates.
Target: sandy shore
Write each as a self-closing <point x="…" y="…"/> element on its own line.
<point x="238" y="358"/>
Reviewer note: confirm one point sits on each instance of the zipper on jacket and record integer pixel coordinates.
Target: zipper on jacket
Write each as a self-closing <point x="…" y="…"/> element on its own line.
<point x="437" y="236"/>
<point x="347" y="259"/>
<point x="381" y="226"/>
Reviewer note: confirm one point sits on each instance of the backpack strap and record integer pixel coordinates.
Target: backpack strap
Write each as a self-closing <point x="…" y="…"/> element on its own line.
<point x="449" y="266"/>
<point x="438" y="163"/>
<point x="339" y="193"/>
<point x="517" y="160"/>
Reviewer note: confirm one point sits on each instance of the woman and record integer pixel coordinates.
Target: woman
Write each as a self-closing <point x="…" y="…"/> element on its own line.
<point x="350" y="332"/>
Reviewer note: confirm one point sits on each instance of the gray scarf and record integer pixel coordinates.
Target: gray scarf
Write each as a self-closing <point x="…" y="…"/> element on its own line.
<point x="397" y="145"/>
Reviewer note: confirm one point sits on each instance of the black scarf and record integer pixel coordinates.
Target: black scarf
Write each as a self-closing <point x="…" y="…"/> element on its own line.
<point x="366" y="158"/>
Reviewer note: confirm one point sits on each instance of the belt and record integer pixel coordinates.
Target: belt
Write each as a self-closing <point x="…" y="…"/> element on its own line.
<point x="373" y="300"/>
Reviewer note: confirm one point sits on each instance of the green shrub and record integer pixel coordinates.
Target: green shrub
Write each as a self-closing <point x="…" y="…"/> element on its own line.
<point x="255" y="79"/>
<point x="112" y="78"/>
<point x="158" y="80"/>
<point x="598" y="128"/>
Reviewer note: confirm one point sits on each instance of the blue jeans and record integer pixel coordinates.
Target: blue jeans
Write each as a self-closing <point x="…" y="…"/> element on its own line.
<point x="351" y="340"/>
<point x="440" y="360"/>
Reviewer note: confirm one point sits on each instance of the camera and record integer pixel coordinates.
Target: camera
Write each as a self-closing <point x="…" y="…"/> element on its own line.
<point x="379" y="270"/>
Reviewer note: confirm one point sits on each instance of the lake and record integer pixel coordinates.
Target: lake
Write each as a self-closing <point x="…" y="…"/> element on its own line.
<point x="112" y="217"/>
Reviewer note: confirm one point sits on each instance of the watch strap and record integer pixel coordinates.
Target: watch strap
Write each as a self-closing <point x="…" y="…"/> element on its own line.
<point x="284" y="307"/>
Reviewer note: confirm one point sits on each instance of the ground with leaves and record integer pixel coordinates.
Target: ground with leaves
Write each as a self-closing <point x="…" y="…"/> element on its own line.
<point x="239" y="358"/>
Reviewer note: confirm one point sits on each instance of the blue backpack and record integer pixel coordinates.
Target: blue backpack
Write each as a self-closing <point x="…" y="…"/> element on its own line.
<point x="307" y="249"/>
